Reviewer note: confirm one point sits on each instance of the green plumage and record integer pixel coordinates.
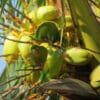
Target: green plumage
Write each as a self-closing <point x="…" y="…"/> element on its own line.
<point x="54" y="63"/>
<point x="48" y="31"/>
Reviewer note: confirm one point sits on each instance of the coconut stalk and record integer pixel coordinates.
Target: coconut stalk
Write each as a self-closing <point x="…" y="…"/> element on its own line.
<point x="87" y="24"/>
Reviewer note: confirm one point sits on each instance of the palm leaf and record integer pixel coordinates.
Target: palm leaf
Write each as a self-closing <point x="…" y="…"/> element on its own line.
<point x="71" y="88"/>
<point x="89" y="28"/>
<point x="2" y="4"/>
<point x="9" y="76"/>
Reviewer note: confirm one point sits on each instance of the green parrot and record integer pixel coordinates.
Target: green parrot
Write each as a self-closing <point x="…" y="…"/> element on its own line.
<point x="48" y="32"/>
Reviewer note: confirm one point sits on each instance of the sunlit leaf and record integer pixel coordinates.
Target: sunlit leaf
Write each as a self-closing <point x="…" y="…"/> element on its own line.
<point x="1" y="20"/>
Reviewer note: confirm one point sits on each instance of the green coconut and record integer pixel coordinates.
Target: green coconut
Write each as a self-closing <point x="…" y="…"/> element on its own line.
<point x="10" y="49"/>
<point x="25" y="48"/>
<point x="77" y="56"/>
<point x="95" y="77"/>
<point x="46" y="13"/>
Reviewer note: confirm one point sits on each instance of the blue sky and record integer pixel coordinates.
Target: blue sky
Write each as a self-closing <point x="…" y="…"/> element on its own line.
<point x="2" y="61"/>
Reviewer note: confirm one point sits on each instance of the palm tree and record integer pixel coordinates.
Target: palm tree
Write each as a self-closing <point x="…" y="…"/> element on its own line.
<point x="51" y="47"/>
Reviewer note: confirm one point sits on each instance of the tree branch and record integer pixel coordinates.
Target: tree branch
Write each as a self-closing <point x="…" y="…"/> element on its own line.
<point x="93" y="2"/>
<point x="32" y="69"/>
<point x="27" y="90"/>
<point x="15" y="78"/>
<point x="97" y="52"/>
<point x="6" y="55"/>
<point x="8" y="91"/>
<point x="10" y="27"/>
<point x="27" y="42"/>
<point x="21" y="13"/>
<point x="1" y="43"/>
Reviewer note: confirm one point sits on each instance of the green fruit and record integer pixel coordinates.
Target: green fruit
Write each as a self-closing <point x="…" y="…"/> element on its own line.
<point x="46" y="45"/>
<point x="48" y="31"/>
<point x="95" y="77"/>
<point x="33" y="16"/>
<point x="10" y="48"/>
<point x="27" y="26"/>
<point x="54" y="63"/>
<point x="77" y="56"/>
<point x="47" y="13"/>
<point x="43" y="13"/>
<point x="50" y="48"/>
<point x="68" y="20"/>
<point x="25" y="48"/>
